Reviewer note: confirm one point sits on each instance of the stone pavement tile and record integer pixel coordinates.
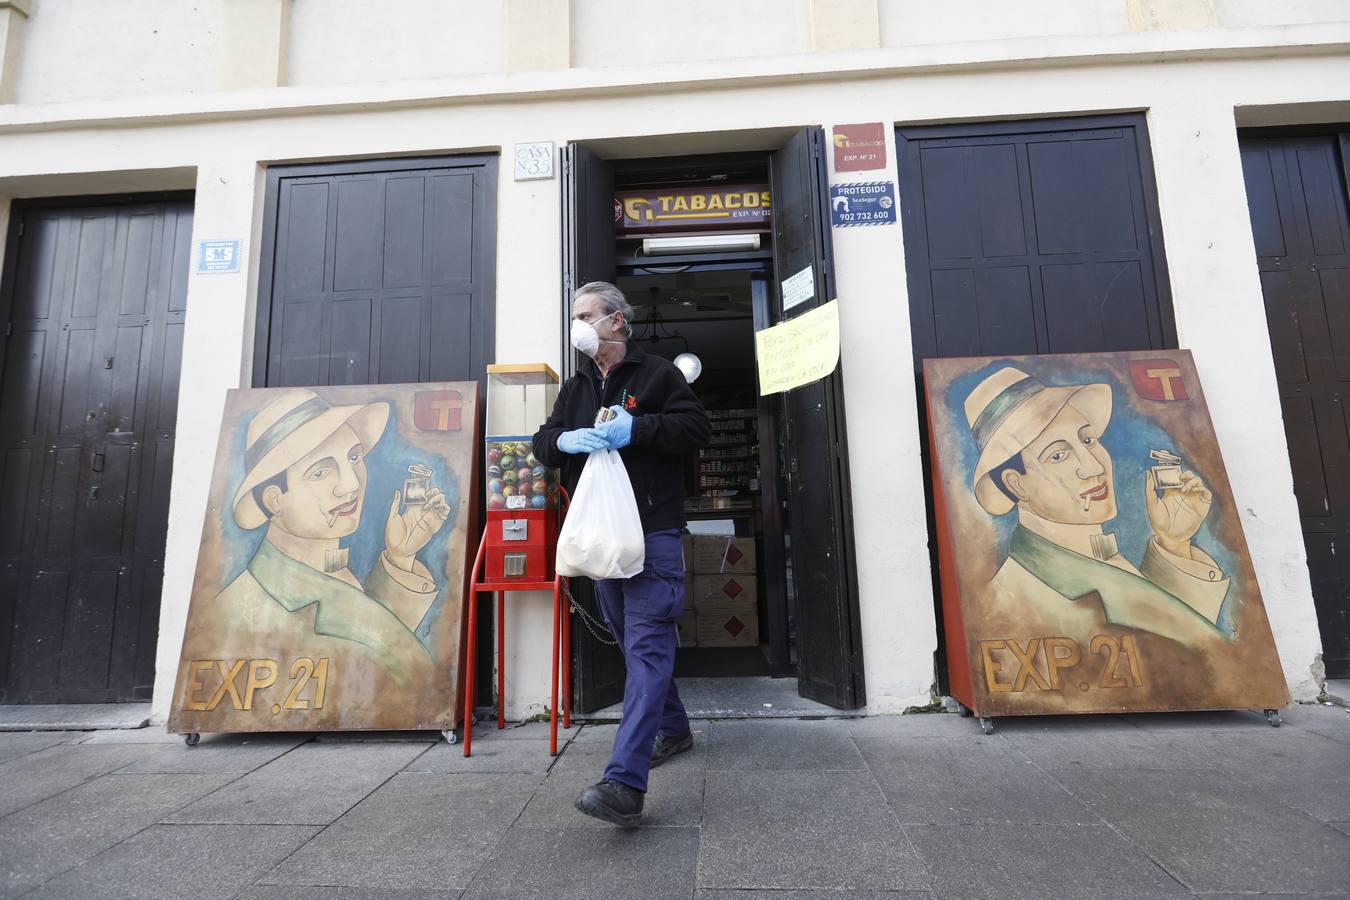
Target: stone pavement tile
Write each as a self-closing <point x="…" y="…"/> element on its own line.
<point x="803" y="829"/>
<point x="780" y="745"/>
<point x="14" y="744"/>
<point x="491" y="757"/>
<point x="487" y="730"/>
<point x="674" y="792"/>
<point x="595" y="753"/>
<point x="226" y="754"/>
<point x="823" y="894"/>
<point x="1213" y="833"/>
<point x="582" y="863"/>
<point x="1328" y="721"/>
<point x="377" y="737"/>
<point x="944" y="781"/>
<point x="150" y="734"/>
<point x="913" y="726"/>
<point x="1007" y="862"/>
<point x="64" y="831"/>
<point x="418" y="831"/>
<point x="1090" y="741"/>
<point x="1301" y="768"/>
<point x="1343" y="827"/>
<point x="46" y="773"/>
<point x="1223" y="721"/>
<point x="311" y="785"/>
<point x="174" y="861"/>
<point x="311" y="892"/>
<point x="596" y="735"/>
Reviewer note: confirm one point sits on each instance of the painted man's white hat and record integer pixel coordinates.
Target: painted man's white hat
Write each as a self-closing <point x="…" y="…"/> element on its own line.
<point x="287" y="430"/>
<point x="1009" y="410"/>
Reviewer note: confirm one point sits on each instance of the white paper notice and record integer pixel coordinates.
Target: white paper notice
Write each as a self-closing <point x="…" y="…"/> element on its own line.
<point x="799" y="288"/>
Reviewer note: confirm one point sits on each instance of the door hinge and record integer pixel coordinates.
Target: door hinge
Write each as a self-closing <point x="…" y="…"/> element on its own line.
<point x="23" y="226"/>
<point x="97" y="465"/>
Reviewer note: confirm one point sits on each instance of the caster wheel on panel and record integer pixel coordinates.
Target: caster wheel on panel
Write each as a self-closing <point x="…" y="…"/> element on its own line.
<point x="192" y="739"/>
<point x="986" y="725"/>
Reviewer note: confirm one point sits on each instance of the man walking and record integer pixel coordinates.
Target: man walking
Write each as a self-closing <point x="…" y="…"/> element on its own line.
<point x="658" y="421"/>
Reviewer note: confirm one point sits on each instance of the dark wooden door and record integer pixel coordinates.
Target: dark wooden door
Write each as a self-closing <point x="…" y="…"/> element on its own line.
<point x="1029" y="237"/>
<point x="378" y="272"/>
<point x="94" y="298"/>
<point x="588" y="255"/>
<point x="820" y="521"/>
<point x="1032" y="237"/>
<point x="1296" y="194"/>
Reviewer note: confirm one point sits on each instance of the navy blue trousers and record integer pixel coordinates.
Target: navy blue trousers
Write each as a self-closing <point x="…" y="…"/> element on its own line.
<point x="641" y="612"/>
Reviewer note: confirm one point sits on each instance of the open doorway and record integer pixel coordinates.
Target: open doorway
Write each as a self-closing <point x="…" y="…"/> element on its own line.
<point x="730" y="628"/>
<point x="699" y="245"/>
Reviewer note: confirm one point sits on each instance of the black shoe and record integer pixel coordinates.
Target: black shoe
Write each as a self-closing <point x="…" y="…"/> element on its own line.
<point x="612" y="802"/>
<point x="666" y="747"/>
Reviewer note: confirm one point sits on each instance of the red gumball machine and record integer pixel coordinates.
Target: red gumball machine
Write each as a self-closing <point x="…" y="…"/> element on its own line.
<point x="522" y="493"/>
<point x="521" y="539"/>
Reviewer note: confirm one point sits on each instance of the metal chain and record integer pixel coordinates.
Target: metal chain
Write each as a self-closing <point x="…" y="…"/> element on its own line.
<point x="590" y="621"/>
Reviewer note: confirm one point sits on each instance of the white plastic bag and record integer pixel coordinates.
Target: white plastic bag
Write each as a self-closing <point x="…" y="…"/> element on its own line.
<point x="602" y="534"/>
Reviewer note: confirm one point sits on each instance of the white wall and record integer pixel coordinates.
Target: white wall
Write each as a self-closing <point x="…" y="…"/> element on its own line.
<point x="1208" y="243"/>
<point x="95" y="49"/>
<point x="907" y="22"/>
<point x="642" y="32"/>
<point x="359" y="42"/>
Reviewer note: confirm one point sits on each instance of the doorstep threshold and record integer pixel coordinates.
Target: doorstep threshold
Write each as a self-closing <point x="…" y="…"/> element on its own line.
<point x="74" y="716"/>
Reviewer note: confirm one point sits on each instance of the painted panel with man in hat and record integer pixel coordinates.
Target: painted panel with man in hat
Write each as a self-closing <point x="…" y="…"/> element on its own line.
<point x="1090" y="551"/>
<point x="330" y="578"/>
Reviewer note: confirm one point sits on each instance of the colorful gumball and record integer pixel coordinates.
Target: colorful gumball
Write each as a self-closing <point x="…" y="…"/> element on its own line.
<point x="495" y="486"/>
<point x="536" y="472"/>
<point x="494" y="454"/>
<point x="508" y="461"/>
<point x="494" y="471"/>
<point x="510" y="477"/>
<point x="508" y="490"/>
<point x="539" y="486"/>
<point x="531" y="459"/>
<point x="497" y="501"/>
<point x="522" y="450"/>
<point x="523" y="473"/>
<point x="538" y="501"/>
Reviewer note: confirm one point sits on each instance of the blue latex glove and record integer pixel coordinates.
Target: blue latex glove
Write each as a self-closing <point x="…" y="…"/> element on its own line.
<point x="618" y="431"/>
<point x="581" y="440"/>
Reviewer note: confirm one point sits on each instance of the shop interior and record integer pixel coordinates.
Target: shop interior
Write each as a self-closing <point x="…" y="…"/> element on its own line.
<point x="695" y="301"/>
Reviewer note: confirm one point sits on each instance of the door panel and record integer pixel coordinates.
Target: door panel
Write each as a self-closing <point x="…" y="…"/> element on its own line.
<point x="1296" y="196"/>
<point x="829" y="639"/>
<point x="588" y="255"/>
<point x="378" y="272"/>
<point x="88" y="401"/>
<point x="1027" y="237"/>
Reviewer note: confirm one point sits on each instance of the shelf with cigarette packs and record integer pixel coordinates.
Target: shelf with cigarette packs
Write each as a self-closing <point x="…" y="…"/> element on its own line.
<point x="728" y="468"/>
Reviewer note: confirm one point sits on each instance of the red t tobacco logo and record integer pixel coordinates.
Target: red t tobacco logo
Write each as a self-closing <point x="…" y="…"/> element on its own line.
<point x="1158" y="379"/>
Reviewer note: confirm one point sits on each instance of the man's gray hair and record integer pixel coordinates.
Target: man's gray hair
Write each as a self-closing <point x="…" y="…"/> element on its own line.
<point x="611" y="300"/>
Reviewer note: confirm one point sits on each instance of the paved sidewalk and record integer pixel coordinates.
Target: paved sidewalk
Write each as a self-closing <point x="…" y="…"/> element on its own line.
<point x="924" y="805"/>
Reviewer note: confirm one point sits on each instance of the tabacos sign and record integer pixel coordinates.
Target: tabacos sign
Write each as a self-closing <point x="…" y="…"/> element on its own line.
<point x="691" y="209"/>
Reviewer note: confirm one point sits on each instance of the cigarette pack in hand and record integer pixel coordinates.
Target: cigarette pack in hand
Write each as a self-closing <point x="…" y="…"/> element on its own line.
<point x="1167" y="472"/>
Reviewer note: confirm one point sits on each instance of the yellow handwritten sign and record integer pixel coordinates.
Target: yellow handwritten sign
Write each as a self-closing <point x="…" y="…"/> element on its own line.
<point x="800" y="351"/>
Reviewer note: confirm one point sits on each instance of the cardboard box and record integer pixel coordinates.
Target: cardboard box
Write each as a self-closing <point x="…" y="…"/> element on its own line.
<point x="718" y="590"/>
<point x="728" y="625"/>
<point x="687" y="628"/>
<point x="718" y="555"/>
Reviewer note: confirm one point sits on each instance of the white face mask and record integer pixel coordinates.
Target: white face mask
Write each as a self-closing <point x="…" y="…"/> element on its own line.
<point x="585" y="338"/>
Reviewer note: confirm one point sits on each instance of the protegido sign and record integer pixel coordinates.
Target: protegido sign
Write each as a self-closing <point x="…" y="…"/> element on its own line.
<point x="688" y="209"/>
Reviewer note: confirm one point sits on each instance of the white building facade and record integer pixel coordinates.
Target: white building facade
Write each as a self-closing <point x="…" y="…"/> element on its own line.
<point x="138" y="97"/>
